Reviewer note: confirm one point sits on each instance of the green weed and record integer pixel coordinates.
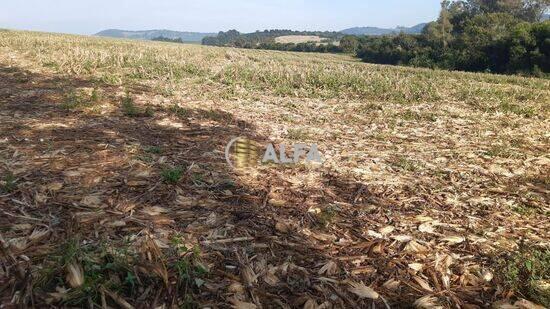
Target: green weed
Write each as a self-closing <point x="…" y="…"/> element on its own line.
<point x="8" y="183"/>
<point x="128" y="106"/>
<point x="103" y="266"/>
<point x="172" y="175"/>
<point x="498" y="151"/>
<point x="153" y="150"/>
<point x="298" y="134"/>
<point x="326" y="216"/>
<point x="180" y="112"/>
<point x="415" y="116"/>
<point x="406" y="164"/>
<point x="130" y="109"/>
<point x="527" y="273"/>
<point x="78" y="100"/>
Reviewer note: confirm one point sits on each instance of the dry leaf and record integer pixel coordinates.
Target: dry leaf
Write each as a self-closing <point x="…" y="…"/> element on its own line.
<point x="21" y="227"/>
<point x="118" y="299"/>
<point x="402" y="238"/>
<point x="75" y="275"/>
<point x="502" y="304"/>
<point x="248" y="275"/>
<point x="18" y="244"/>
<point x="60" y="294"/>
<point x="416" y="266"/>
<point x="453" y="240"/>
<point x="277" y="203"/>
<point x="271" y="279"/>
<point x="154" y="211"/>
<point x="525" y="304"/>
<point x="427" y="302"/>
<point x="282" y="227"/>
<point x="117" y="223"/>
<point x="40" y="198"/>
<point x="423" y="219"/>
<point x="237" y="304"/>
<point x="374" y="234"/>
<point x="91" y="201"/>
<point x="386" y="230"/>
<point x="426" y="228"/>
<point x="311" y="304"/>
<point x="39" y="235"/>
<point x="391" y="284"/>
<point x="72" y="173"/>
<point x="487" y="275"/>
<point x="363" y="291"/>
<point x="330" y="268"/>
<point x="236" y="288"/>
<point x="415" y="247"/>
<point x="55" y="186"/>
<point x="423" y="283"/>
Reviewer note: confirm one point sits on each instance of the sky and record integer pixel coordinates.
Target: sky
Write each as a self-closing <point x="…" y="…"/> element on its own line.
<point x="89" y="17"/>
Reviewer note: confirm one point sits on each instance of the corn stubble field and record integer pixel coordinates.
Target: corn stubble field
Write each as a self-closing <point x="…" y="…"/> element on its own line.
<point x="115" y="191"/>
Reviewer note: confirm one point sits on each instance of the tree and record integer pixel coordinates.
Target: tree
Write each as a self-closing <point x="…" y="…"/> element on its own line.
<point x="485" y="42"/>
<point x="527" y="10"/>
<point x="534" y="10"/>
<point x="529" y="46"/>
<point x="349" y="44"/>
<point x="445" y="26"/>
<point x="441" y="31"/>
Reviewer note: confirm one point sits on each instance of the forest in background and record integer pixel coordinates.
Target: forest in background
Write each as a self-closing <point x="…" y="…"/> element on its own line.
<point x="502" y="36"/>
<point x="267" y="40"/>
<point x="498" y="36"/>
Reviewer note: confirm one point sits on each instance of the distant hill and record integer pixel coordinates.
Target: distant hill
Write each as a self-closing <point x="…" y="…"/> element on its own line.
<point x="384" y="31"/>
<point x="151" y="34"/>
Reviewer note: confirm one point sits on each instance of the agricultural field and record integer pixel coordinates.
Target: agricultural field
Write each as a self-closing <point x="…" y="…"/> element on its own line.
<point x="114" y="189"/>
<point x="295" y="39"/>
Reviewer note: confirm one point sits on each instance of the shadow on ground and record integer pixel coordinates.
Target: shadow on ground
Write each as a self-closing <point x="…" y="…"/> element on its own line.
<point x="146" y="206"/>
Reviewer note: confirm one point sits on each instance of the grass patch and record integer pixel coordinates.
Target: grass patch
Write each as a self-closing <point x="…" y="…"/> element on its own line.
<point x="81" y="99"/>
<point x="498" y="151"/>
<point x="216" y="115"/>
<point x="326" y="216"/>
<point x="525" y="210"/>
<point x="172" y="175"/>
<point x="525" y="111"/>
<point x="368" y="108"/>
<point x="153" y="150"/>
<point x="415" y="116"/>
<point x="298" y="134"/>
<point x="111" y="267"/>
<point x="8" y="183"/>
<point x="527" y="273"/>
<point x="117" y="269"/>
<point x="180" y="112"/>
<point x="405" y="164"/>
<point x="128" y="106"/>
<point x="130" y="109"/>
<point x="189" y="270"/>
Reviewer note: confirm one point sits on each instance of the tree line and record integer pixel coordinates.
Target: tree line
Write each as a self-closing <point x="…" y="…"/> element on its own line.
<point x="266" y="40"/>
<point x="165" y="39"/>
<point x="500" y="36"/>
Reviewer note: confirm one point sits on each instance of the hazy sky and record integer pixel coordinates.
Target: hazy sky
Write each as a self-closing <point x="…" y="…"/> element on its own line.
<point x="88" y="17"/>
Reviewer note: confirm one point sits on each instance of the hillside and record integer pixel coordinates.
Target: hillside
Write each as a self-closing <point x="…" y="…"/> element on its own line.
<point x="151" y="34"/>
<point x="115" y="190"/>
<point x="384" y="31"/>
